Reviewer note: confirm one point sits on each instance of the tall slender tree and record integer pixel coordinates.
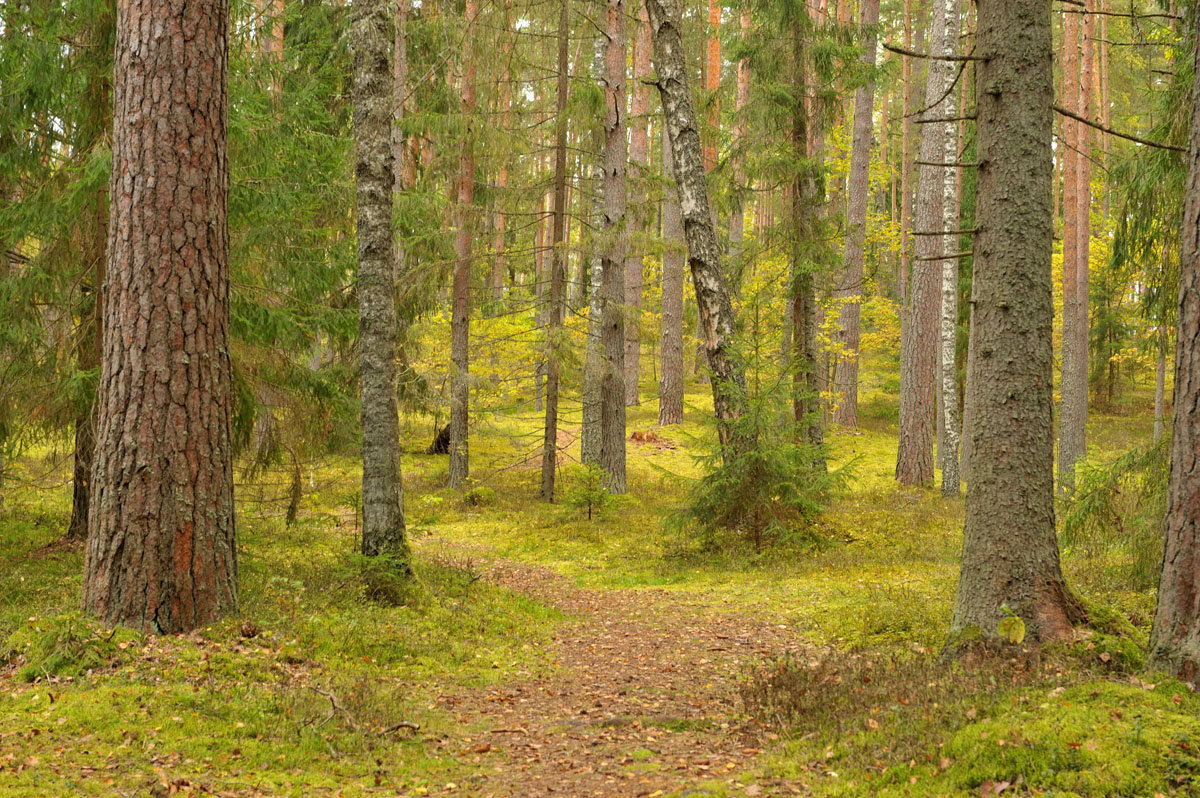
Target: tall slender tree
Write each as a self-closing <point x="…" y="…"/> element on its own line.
<point x="670" y="388"/>
<point x="161" y="552"/>
<point x="639" y="159"/>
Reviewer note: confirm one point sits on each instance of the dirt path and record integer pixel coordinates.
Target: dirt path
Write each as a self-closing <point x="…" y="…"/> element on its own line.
<point x="645" y="698"/>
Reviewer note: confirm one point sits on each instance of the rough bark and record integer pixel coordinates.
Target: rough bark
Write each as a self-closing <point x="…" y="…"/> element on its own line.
<point x="161" y="552"/>
<point x="554" y="312"/>
<point x="639" y="158"/>
<point x="591" y="437"/>
<point x="1010" y="552"/>
<point x="1175" y="635"/>
<point x="382" y="491"/>
<point x="612" y="386"/>
<point x="704" y="256"/>
<point x="948" y="331"/>
<point x="670" y="388"/>
<point x="1074" y="360"/>
<point x="858" y="190"/>
<point x="460" y="319"/>
<point x="919" y="334"/>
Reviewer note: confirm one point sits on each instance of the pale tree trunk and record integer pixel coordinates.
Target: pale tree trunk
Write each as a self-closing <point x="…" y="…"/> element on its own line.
<point x="460" y="319"/>
<point x="639" y="157"/>
<point x="737" y="218"/>
<point x="948" y="368"/>
<point x="612" y="386"/>
<point x="845" y="378"/>
<point x="1010" y="553"/>
<point x="712" y="85"/>
<point x="1175" y="635"/>
<point x="1074" y="359"/>
<point x="704" y="255"/>
<point x="919" y="335"/>
<point x="558" y="264"/>
<point x="670" y="389"/>
<point x="161" y="552"/>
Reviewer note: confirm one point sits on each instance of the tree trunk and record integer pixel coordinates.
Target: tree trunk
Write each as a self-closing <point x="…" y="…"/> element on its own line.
<point x="161" y="552"/>
<point x="805" y="209"/>
<point x="639" y="147"/>
<point x="460" y="320"/>
<point x="1160" y="391"/>
<point x="1175" y="635"/>
<point x="1010" y="552"/>
<point x="704" y="256"/>
<point x="558" y="264"/>
<point x="858" y="190"/>
<point x="948" y="333"/>
<point x="670" y="389"/>
<point x="919" y="335"/>
<point x="712" y="85"/>
<point x="1074" y="359"/>
<point x="737" y="217"/>
<point x="612" y="387"/>
<point x="591" y="443"/>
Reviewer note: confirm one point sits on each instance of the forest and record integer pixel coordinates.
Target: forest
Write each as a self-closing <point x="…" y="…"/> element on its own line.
<point x="572" y="398"/>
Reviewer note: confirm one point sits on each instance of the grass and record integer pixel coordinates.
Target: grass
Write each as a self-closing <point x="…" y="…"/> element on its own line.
<point x="300" y="693"/>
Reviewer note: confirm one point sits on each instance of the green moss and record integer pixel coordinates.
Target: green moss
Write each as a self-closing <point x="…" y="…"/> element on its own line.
<point x="65" y="646"/>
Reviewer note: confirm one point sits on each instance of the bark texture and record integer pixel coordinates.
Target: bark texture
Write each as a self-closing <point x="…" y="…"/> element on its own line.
<point x="558" y="259"/>
<point x="704" y="256"/>
<point x="382" y="491"/>
<point x="161" y="552"/>
<point x="639" y="158"/>
<point x="1010" y="552"/>
<point x="612" y="386"/>
<point x="845" y="377"/>
<point x="460" y="319"/>
<point x="919" y="333"/>
<point x="948" y="330"/>
<point x="670" y="387"/>
<point x="1175" y="635"/>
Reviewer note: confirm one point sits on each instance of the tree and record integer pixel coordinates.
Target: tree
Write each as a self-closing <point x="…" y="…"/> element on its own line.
<point x="161" y="551"/>
<point x="670" y="387"/>
<point x="704" y="255"/>
<point x="846" y="375"/>
<point x="382" y="489"/>
<point x="612" y="385"/>
<point x="460" y="324"/>
<point x="1010" y="557"/>
<point x="558" y="266"/>
<point x="639" y="158"/>
<point x="919" y="333"/>
<point x="1175" y="634"/>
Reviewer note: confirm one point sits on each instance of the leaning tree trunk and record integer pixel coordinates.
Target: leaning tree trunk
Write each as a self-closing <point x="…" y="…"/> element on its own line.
<point x="382" y="491"/>
<point x="845" y="378"/>
<point x="612" y="385"/>
<point x="1175" y="635"/>
<point x="161" y="552"/>
<point x="919" y="335"/>
<point x="460" y="321"/>
<point x="558" y="266"/>
<point x="670" y="387"/>
<point x="704" y="254"/>
<point x="1010" y="552"/>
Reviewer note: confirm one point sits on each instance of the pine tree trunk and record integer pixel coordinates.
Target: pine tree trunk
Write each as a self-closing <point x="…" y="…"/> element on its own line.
<point x="919" y="336"/>
<point x="558" y="266"/>
<point x="161" y="552"/>
<point x="612" y="388"/>
<point x="591" y="444"/>
<point x="1074" y="361"/>
<point x="858" y="190"/>
<point x="1175" y="635"/>
<point x="670" y="389"/>
<point x="460" y="320"/>
<point x="639" y="157"/>
<point x="1010" y="552"/>
<point x="712" y="85"/>
<point x="737" y="217"/>
<point x="704" y="255"/>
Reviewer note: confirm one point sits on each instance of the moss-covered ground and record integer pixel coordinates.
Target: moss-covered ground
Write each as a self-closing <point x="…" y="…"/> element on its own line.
<point x="310" y="688"/>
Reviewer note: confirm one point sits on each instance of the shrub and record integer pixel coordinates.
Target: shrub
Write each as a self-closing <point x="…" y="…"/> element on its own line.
<point x="587" y="489"/>
<point x="479" y="497"/>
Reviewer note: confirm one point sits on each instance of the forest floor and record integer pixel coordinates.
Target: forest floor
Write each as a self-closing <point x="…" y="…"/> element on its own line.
<point x="543" y="653"/>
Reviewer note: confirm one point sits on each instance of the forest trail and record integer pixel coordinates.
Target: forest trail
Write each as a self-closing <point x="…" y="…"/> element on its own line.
<point x="643" y="701"/>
